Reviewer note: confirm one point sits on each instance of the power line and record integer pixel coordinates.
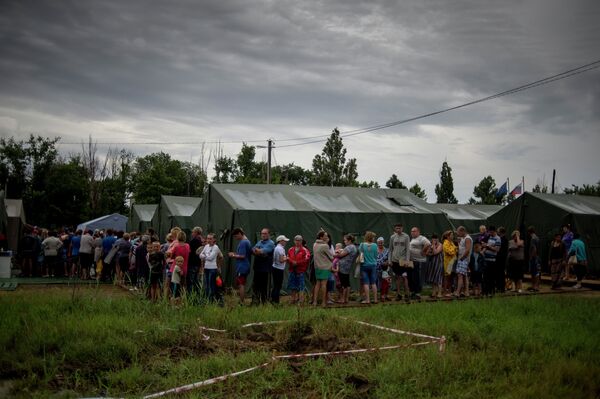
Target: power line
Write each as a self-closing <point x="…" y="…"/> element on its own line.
<point x="550" y="79"/>
<point x="320" y="138"/>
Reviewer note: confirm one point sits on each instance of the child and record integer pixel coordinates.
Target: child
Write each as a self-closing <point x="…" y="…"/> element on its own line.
<point x="176" y="278"/>
<point x="156" y="262"/>
<point x="386" y="281"/>
<point x="476" y="266"/>
<point x="334" y="280"/>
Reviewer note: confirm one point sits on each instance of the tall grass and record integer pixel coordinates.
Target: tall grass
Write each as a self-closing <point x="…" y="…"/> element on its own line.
<point x="60" y="344"/>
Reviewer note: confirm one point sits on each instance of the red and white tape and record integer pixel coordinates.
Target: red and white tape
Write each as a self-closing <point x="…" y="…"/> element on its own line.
<point x="352" y="351"/>
<point x="185" y="388"/>
<point x="394" y="330"/>
<point x="264" y="323"/>
<point x="210" y="381"/>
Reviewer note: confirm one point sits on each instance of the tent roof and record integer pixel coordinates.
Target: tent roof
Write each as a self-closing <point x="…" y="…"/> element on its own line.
<point x="181" y="206"/>
<point x="115" y="219"/>
<point x="14" y="208"/>
<point x="575" y="204"/>
<point x="467" y="212"/>
<point x="145" y="212"/>
<point x="322" y="199"/>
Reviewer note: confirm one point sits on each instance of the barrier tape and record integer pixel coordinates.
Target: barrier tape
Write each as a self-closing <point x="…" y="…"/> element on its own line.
<point x="395" y="330"/>
<point x="185" y="388"/>
<point x="263" y="323"/>
<point x="210" y="381"/>
<point x="350" y="351"/>
<point x="213" y="329"/>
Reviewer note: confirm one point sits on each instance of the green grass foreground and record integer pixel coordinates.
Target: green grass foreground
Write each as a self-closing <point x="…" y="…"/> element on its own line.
<point x="65" y="343"/>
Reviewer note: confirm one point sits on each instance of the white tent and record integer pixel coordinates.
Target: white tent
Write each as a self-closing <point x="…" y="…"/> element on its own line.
<point x="115" y="221"/>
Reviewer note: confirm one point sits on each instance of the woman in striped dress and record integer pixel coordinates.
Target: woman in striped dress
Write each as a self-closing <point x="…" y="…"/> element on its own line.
<point x="435" y="269"/>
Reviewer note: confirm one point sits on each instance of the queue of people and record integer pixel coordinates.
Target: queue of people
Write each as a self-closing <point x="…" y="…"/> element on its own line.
<point x="456" y="265"/>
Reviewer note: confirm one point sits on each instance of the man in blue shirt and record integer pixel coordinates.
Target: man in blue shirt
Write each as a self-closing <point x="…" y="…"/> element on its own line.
<point x="107" y="244"/>
<point x="242" y="261"/>
<point x="263" y="261"/>
<point x="578" y="250"/>
<point x="491" y="247"/>
<point x="279" y="261"/>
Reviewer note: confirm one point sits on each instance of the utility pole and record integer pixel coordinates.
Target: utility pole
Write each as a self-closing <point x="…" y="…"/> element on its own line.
<point x="269" y="149"/>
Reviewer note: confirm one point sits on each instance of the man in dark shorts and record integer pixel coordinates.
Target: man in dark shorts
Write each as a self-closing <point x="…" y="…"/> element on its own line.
<point x="29" y="249"/>
<point x="242" y="261"/>
<point x="263" y="261"/>
<point x="347" y="257"/>
<point x="156" y="264"/>
<point x="197" y="241"/>
<point x="535" y="266"/>
<point x="400" y="257"/>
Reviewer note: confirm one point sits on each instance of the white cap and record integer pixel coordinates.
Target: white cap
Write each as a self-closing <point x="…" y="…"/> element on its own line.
<point x="282" y="238"/>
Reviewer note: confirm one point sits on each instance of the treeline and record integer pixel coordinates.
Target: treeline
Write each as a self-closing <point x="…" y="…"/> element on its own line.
<point x="66" y="190"/>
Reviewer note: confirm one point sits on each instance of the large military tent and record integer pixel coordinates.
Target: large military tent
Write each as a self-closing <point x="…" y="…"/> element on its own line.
<point x="469" y="216"/>
<point x="115" y="221"/>
<point x="292" y="210"/>
<point x="142" y="216"/>
<point x="548" y="212"/>
<point x="3" y="215"/>
<point x="176" y="211"/>
<point x="15" y="221"/>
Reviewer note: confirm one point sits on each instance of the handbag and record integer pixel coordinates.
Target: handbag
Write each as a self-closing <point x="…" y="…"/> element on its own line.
<point x="572" y="260"/>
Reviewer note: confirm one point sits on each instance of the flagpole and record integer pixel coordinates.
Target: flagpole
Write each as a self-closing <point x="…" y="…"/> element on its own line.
<point x="523" y="186"/>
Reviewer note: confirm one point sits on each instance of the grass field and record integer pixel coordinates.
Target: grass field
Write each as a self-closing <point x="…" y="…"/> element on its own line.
<point x="88" y="342"/>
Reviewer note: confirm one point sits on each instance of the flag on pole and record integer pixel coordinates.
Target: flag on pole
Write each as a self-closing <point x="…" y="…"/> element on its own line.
<point x="502" y="190"/>
<point x="517" y="190"/>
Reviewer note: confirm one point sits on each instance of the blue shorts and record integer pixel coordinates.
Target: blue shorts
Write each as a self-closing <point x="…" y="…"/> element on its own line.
<point x="368" y="274"/>
<point x="535" y="267"/>
<point x="296" y="282"/>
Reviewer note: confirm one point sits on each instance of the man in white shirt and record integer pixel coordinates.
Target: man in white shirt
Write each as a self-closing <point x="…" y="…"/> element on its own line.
<point x="86" y="253"/>
<point x="419" y="245"/>
<point x="279" y="259"/>
<point x="210" y="255"/>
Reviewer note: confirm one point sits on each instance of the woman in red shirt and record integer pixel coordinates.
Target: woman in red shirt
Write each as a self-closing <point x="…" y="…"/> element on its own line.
<point x="298" y="260"/>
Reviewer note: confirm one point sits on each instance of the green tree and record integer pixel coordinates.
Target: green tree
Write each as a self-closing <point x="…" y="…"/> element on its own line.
<point x="445" y="190"/>
<point x="330" y="168"/>
<point x="540" y="188"/>
<point x="369" y="184"/>
<point x="225" y="170"/>
<point x="24" y="166"/>
<point x="586" y="189"/>
<point x="157" y="174"/>
<point x="248" y="170"/>
<point x="290" y="174"/>
<point x="486" y="192"/>
<point x="13" y="166"/>
<point x="196" y="180"/>
<point x="67" y="195"/>
<point x="394" y="182"/>
<point x="418" y="191"/>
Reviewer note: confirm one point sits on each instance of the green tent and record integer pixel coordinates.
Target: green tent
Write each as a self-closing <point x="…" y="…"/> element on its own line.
<point x="15" y="222"/>
<point x="547" y="213"/>
<point x="142" y="216"/>
<point x="176" y="211"/>
<point x="3" y="215"/>
<point x="469" y="216"/>
<point x="304" y="210"/>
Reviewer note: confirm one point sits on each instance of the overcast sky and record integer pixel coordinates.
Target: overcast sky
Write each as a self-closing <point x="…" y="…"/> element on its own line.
<point x="194" y="71"/>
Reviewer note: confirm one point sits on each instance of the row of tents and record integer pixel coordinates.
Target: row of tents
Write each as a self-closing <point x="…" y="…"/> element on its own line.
<point x="292" y="210"/>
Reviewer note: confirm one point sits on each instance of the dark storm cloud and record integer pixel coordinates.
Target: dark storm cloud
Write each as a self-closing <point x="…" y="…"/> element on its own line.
<point x="254" y="69"/>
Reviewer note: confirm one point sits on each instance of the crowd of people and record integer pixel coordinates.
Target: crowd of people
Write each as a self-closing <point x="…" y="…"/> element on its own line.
<point x="454" y="265"/>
